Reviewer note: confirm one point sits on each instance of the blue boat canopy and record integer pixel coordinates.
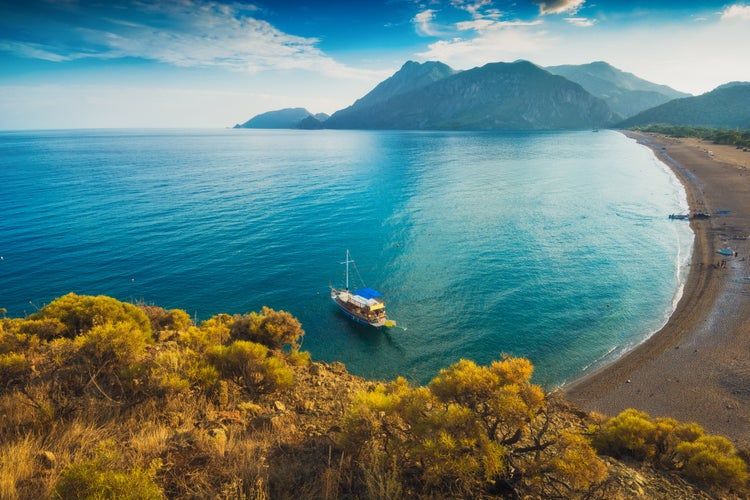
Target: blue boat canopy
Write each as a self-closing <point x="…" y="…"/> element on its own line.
<point x="368" y="293"/>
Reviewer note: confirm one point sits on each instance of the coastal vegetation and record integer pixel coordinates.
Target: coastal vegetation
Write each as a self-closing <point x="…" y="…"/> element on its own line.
<point x="671" y="445"/>
<point x="105" y="399"/>
<point x="724" y="107"/>
<point x="730" y="137"/>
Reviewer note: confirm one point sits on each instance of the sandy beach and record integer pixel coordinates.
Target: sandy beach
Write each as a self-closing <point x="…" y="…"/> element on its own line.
<point x="697" y="367"/>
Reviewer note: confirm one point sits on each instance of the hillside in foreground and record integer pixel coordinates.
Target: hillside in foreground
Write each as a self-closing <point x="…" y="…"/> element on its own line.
<point x="105" y="399"/>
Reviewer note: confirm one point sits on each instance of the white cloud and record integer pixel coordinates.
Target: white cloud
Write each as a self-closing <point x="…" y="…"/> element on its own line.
<point x="737" y="11"/>
<point x="32" y="51"/>
<point x="487" y="25"/>
<point x="423" y="23"/>
<point x="475" y="7"/>
<point x="695" y="57"/>
<point x="184" y="33"/>
<point x="581" y="22"/>
<point x="559" y="6"/>
<point x="496" y="42"/>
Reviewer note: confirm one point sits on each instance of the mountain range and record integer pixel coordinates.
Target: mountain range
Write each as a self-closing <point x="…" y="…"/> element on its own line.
<point x="625" y="93"/>
<point x="520" y="96"/>
<point x="497" y="96"/>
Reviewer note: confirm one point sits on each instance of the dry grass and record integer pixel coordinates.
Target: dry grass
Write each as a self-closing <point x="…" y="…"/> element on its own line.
<point x="17" y="467"/>
<point x="150" y="440"/>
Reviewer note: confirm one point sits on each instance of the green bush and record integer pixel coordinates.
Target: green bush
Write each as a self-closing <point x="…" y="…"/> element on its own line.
<point x="273" y="329"/>
<point x="177" y="370"/>
<point x="212" y="332"/>
<point x="96" y="479"/>
<point x="732" y="137"/>
<point x="112" y="346"/>
<point x="45" y="328"/>
<point x="14" y="368"/>
<point x="252" y="365"/>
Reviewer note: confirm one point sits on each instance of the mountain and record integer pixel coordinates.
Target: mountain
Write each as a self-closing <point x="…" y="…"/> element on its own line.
<point x="727" y="106"/>
<point x="284" y="118"/>
<point x="411" y="76"/>
<point x="497" y="96"/>
<point x="311" y="123"/>
<point x="624" y="92"/>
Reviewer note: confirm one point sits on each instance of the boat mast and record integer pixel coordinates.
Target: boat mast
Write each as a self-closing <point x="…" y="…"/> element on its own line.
<point x="347" y="268"/>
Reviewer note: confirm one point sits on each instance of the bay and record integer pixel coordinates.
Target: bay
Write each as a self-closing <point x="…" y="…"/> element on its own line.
<point x="555" y="246"/>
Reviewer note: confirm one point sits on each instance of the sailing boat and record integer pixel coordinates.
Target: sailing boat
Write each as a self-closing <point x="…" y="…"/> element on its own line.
<point x="364" y="306"/>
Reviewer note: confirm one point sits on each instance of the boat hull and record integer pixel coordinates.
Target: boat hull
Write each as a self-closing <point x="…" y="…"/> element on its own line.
<point x="354" y="315"/>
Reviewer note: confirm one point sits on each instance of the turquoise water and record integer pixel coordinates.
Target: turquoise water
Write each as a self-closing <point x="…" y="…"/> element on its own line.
<point x="551" y="245"/>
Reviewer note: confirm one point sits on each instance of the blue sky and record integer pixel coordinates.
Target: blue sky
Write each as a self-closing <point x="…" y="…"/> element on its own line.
<point x="211" y="63"/>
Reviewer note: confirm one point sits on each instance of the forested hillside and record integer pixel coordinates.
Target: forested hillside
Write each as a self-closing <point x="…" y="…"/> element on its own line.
<point x="727" y="106"/>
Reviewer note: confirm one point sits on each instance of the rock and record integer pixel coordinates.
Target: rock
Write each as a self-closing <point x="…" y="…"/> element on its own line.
<point x="279" y="406"/>
<point x="338" y="367"/>
<point x="250" y="408"/>
<point x="307" y="406"/>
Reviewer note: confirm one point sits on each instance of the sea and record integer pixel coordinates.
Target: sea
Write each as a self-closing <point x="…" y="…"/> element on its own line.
<point x="555" y="246"/>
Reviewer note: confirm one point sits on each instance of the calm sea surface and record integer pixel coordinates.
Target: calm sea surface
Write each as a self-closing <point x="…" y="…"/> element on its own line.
<point x="551" y="245"/>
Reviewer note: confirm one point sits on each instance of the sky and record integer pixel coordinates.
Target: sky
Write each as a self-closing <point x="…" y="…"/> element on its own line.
<point x="214" y="63"/>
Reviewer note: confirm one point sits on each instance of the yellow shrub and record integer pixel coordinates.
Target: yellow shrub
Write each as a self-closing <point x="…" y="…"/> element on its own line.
<point x="274" y="329"/>
<point x="14" y="367"/>
<point x="712" y="460"/>
<point x="630" y="433"/>
<point x="94" y="479"/>
<point x="300" y="358"/>
<point x="174" y="320"/>
<point x="80" y="313"/>
<point x="178" y="370"/>
<point x="114" y="345"/>
<point x="45" y="328"/>
<point x="250" y="363"/>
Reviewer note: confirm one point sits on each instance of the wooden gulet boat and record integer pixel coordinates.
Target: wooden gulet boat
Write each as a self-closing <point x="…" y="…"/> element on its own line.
<point x="365" y="305"/>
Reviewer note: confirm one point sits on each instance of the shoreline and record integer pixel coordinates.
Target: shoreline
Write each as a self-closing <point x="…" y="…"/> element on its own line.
<point x="697" y="366"/>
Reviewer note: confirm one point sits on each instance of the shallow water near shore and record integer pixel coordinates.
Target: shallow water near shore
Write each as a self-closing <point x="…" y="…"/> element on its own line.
<point x="551" y="245"/>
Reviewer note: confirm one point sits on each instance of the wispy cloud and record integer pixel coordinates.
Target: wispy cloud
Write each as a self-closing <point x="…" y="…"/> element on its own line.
<point x="559" y="6"/>
<point x="483" y="36"/>
<point x="582" y="22"/>
<point x="32" y="50"/>
<point x="737" y="11"/>
<point x="184" y="33"/>
<point x="477" y="8"/>
<point x="497" y="42"/>
<point x="423" y="23"/>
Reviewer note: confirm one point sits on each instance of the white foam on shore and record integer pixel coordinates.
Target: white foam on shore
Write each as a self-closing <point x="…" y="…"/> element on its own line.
<point x="682" y="261"/>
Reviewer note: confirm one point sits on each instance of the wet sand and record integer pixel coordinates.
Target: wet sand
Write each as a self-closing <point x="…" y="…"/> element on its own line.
<point x="696" y="368"/>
